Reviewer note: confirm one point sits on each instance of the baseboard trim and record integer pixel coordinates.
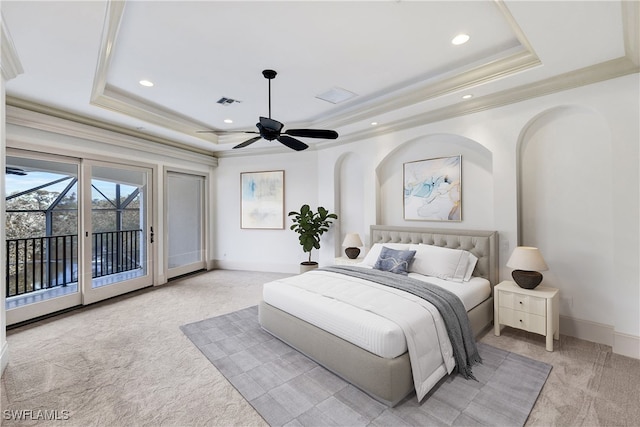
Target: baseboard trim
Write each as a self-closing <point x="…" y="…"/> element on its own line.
<point x="626" y="345"/>
<point x="623" y="344"/>
<point x="4" y="357"/>
<point x="253" y="266"/>
<point x="587" y="330"/>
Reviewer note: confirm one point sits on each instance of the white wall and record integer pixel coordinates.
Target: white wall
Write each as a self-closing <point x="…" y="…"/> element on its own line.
<point x="602" y="117"/>
<point x="264" y="250"/>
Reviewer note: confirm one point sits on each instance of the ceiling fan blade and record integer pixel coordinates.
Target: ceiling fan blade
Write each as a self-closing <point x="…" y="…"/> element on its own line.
<point x="248" y="142"/>
<point x="313" y="133"/>
<point x="292" y="143"/>
<point x="271" y="124"/>
<point x="225" y="132"/>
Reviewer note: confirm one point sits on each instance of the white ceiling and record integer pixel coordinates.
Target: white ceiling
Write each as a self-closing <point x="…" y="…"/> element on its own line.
<point x="86" y="58"/>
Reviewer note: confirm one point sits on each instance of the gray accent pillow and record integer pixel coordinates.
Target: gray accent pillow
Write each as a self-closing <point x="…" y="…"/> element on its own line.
<point x="394" y="261"/>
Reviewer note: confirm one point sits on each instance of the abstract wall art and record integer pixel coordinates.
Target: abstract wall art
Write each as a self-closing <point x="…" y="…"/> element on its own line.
<point x="262" y="200"/>
<point x="432" y="189"/>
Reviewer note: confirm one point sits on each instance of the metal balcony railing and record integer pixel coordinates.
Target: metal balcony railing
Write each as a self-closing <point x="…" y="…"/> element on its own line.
<point x="38" y="263"/>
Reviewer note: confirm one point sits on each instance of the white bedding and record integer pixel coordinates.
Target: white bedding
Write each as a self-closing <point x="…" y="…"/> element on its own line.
<point x="365" y="329"/>
<point x="380" y="319"/>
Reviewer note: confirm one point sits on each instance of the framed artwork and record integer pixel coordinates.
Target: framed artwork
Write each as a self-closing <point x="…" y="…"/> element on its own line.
<point x="432" y="189"/>
<point x="262" y="200"/>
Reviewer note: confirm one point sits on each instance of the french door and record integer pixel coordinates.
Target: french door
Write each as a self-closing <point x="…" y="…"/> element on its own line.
<point x="42" y="224"/>
<point x="77" y="232"/>
<point x="117" y="230"/>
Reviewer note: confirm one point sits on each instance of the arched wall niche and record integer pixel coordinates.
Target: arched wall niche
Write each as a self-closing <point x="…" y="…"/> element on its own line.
<point x="565" y="206"/>
<point x="477" y="180"/>
<point x="349" y="198"/>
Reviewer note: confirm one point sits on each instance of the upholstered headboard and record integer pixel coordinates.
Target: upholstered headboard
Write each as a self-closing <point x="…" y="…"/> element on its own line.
<point x="483" y="244"/>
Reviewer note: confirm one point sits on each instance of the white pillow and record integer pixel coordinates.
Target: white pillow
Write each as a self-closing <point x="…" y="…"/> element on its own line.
<point x="473" y="260"/>
<point x="443" y="263"/>
<point x="373" y="254"/>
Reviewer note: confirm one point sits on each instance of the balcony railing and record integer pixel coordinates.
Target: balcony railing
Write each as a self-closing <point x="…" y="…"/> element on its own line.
<point x="40" y="263"/>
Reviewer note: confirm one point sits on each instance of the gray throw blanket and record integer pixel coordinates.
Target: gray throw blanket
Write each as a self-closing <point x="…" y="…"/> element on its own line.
<point x="448" y="304"/>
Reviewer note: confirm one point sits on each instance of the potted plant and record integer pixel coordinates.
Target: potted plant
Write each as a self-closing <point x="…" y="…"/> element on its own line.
<point x="310" y="226"/>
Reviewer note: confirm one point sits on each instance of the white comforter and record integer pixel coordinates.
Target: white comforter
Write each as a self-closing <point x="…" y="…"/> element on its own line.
<point x="427" y="342"/>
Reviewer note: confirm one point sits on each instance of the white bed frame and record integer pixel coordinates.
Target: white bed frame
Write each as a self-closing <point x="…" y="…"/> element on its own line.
<point x="387" y="380"/>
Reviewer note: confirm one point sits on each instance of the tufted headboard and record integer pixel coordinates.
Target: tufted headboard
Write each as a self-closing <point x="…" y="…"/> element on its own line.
<point x="483" y="244"/>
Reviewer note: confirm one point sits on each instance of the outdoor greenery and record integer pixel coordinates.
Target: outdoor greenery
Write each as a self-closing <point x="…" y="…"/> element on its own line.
<point x="26" y="218"/>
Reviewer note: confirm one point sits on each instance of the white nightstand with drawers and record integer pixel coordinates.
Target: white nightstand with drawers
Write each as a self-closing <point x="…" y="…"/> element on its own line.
<point x="343" y="260"/>
<point x="534" y="310"/>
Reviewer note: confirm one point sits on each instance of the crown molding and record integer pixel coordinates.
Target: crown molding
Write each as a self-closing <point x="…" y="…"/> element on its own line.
<point x="108" y="97"/>
<point x="631" y="30"/>
<point x="30" y="115"/>
<point x="593" y="74"/>
<point x="519" y="59"/>
<point x="9" y="61"/>
<point x="111" y="98"/>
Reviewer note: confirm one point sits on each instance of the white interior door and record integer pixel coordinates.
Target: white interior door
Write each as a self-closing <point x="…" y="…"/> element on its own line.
<point x="184" y="209"/>
<point x="117" y="230"/>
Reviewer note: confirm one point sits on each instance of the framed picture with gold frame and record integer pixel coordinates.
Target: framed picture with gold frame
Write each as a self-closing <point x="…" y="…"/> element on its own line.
<point x="262" y="200"/>
<point x="432" y="189"/>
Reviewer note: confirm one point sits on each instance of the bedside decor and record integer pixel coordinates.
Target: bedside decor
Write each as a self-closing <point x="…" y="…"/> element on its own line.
<point x="528" y="263"/>
<point x="262" y="200"/>
<point x="352" y="242"/>
<point x="310" y="226"/>
<point x="432" y="189"/>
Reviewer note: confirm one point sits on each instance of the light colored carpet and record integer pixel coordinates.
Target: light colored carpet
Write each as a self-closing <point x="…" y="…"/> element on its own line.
<point x="125" y="362"/>
<point x="289" y="389"/>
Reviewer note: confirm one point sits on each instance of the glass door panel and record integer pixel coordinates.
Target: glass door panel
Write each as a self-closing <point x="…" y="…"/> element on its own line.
<point x="41" y="235"/>
<point x="184" y="211"/>
<point x="118" y="230"/>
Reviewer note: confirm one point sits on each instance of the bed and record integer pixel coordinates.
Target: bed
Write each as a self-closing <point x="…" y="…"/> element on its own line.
<point x="380" y="372"/>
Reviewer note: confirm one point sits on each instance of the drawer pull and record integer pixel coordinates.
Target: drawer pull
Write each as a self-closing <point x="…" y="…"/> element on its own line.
<point x="520" y="320"/>
<point x="520" y="303"/>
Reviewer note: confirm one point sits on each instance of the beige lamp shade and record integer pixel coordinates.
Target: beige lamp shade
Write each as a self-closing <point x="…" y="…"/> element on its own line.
<point x="527" y="263"/>
<point x="352" y="240"/>
<point x="527" y="258"/>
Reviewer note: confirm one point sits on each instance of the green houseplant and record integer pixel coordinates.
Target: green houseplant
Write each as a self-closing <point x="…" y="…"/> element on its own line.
<point x="310" y="226"/>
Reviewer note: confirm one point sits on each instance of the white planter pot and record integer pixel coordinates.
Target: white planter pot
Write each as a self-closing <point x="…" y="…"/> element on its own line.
<point x="306" y="266"/>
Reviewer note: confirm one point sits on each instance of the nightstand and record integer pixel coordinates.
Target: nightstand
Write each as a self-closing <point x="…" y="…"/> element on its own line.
<point x="534" y="310"/>
<point x="343" y="260"/>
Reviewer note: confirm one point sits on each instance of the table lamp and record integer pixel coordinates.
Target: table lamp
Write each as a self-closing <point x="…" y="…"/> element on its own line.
<point x="352" y="241"/>
<point x="527" y="262"/>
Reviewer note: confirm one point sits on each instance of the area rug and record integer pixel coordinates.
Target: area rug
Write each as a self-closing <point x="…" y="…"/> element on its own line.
<point x="286" y="387"/>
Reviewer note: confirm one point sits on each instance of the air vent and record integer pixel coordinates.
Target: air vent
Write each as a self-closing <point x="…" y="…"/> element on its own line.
<point x="226" y="101"/>
<point x="336" y="95"/>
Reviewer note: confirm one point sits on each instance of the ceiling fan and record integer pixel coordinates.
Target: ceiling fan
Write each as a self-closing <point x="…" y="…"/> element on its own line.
<point x="10" y="170"/>
<point x="271" y="129"/>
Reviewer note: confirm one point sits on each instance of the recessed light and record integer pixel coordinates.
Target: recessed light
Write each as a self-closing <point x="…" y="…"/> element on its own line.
<point x="228" y="121"/>
<point x="467" y="96"/>
<point x="460" y="39"/>
<point x="374" y="123"/>
<point x="145" y="83"/>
